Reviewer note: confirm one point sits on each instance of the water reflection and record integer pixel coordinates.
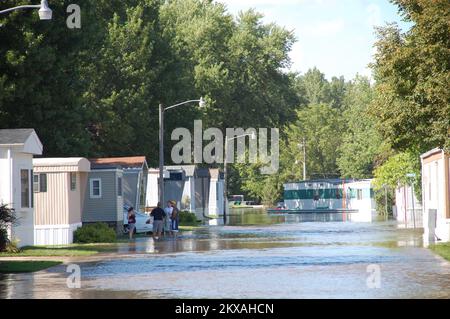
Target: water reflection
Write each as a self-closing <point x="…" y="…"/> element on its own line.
<point x="311" y="256"/>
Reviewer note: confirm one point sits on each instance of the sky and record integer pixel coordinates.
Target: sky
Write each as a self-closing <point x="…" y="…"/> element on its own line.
<point x="336" y="36"/>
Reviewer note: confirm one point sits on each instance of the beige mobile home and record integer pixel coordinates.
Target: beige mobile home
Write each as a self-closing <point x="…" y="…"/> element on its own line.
<point x="436" y="195"/>
<point x="59" y="186"/>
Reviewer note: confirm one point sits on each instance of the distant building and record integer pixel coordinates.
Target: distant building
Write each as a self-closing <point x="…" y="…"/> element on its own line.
<point x="59" y="186"/>
<point x="195" y="189"/>
<point x="436" y="195"/>
<point x="332" y="195"/>
<point x="17" y="147"/>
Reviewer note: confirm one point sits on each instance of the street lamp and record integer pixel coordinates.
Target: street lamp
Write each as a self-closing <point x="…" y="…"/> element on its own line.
<point x="162" y="109"/>
<point x="45" y="13"/>
<point x="225" y="172"/>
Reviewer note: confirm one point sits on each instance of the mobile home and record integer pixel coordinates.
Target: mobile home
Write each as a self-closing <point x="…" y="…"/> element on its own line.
<point x="198" y="190"/>
<point x="332" y="195"/>
<point x="17" y="147"/>
<point x="104" y="196"/>
<point x="59" y="186"/>
<point x="135" y="174"/>
<point x="436" y="195"/>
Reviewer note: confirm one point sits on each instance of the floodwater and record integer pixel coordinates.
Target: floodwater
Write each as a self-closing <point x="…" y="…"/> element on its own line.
<point x="256" y="256"/>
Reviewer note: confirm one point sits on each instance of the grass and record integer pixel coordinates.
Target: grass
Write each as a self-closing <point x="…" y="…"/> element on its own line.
<point x="442" y="249"/>
<point x="188" y="227"/>
<point x="25" y="266"/>
<point x="63" y="251"/>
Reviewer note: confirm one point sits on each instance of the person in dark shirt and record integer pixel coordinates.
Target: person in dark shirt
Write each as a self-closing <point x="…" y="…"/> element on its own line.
<point x="158" y="219"/>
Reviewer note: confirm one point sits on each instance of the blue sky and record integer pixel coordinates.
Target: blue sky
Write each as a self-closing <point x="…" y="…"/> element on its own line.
<point x="337" y="36"/>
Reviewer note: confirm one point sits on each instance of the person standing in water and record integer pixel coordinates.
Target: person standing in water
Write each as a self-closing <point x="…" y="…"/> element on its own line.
<point x="174" y="220"/>
<point x="131" y="221"/>
<point x="158" y="219"/>
<point x="168" y="210"/>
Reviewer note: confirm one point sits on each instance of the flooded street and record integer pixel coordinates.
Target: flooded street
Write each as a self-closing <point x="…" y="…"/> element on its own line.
<point x="256" y="256"/>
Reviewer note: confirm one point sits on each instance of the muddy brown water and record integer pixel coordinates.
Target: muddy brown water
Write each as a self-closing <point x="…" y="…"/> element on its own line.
<point x="256" y="255"/>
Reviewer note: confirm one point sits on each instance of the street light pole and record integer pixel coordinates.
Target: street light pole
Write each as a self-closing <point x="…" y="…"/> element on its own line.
<point x="225" y="176"/>
<point x="161" y="155"/>
<point x="162" y="109"/>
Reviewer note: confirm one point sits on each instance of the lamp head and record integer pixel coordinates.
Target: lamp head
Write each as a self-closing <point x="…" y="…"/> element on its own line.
<point x="45" y="13"/>
<point x="202" y="103"/>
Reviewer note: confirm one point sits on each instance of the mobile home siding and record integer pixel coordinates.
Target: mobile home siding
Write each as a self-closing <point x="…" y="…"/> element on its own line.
<point x="53" y="204"/>
<point x="130" y="188"/>
<point x="103" y="208"/>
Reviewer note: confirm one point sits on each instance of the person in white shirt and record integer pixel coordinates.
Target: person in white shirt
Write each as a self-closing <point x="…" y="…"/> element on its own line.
<point x="168" y="210"/>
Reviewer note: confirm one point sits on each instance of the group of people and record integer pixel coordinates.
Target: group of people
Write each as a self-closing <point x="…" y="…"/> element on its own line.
<point x="165" y="221"/>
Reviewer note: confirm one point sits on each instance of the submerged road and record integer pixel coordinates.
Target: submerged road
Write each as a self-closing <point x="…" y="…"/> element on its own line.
<point x="257" y="256"/>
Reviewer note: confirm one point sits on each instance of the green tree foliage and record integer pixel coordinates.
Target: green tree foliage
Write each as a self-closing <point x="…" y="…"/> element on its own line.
<point x="39" y="78"/>
<point x="393" y="172"/>
<point x="322" y="126"/>
<point x="412" y="71"/>
<point x="362" y="146"/>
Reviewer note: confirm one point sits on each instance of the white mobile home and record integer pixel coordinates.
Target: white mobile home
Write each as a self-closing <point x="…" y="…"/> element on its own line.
<point x="332" y="195"/>
<point x="408" y="208"/>
<point x="17" y="147"/>
<point x="198" y="190"/>
<point x="59" y="186"/>
<point x="436" y="195"/>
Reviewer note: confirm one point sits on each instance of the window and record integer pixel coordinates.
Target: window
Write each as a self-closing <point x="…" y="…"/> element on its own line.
<point x="36" y="183"/>
<point x="25" y="188"/>
<point x="43" y="183"/>
<point x="359" y="194"/>
<point x="73" y="181"/>
<point x="39" y="183"/>
<point x="95" y="188"/>
<point x="119" y="186"/>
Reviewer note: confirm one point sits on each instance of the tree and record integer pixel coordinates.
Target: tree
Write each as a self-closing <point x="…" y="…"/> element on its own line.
<point x="393" y="172"/>
<point x="362" y="145"/>
<point x="40" y="85"/>
<point x="412" y="72"/>
<point x="322" y="127"/>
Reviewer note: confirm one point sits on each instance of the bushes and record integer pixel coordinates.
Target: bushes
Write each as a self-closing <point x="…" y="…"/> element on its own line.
<point x="188" y="218"/>
<point x="7" y="217"/>
<point x="94" y="233"/>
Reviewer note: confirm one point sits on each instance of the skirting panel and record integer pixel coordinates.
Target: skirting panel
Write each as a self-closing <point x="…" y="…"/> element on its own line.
<point x="54" y="234"/>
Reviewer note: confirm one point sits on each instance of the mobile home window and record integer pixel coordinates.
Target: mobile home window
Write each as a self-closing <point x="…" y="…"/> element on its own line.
<point x="119" y="186"/>
<point x="43" y="183"/>
<point x="73" y="181"/>
<point x="35" y="183"/>
<point x="95" y="188"/>
<point x="25" y="188"/>
<point x="39" y="183"/>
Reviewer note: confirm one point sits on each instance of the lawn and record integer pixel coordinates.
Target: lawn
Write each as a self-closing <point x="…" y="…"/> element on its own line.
<point x="65" y="250"/>
<point x="442" y="250"/>
<point x="25" y="266"/>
